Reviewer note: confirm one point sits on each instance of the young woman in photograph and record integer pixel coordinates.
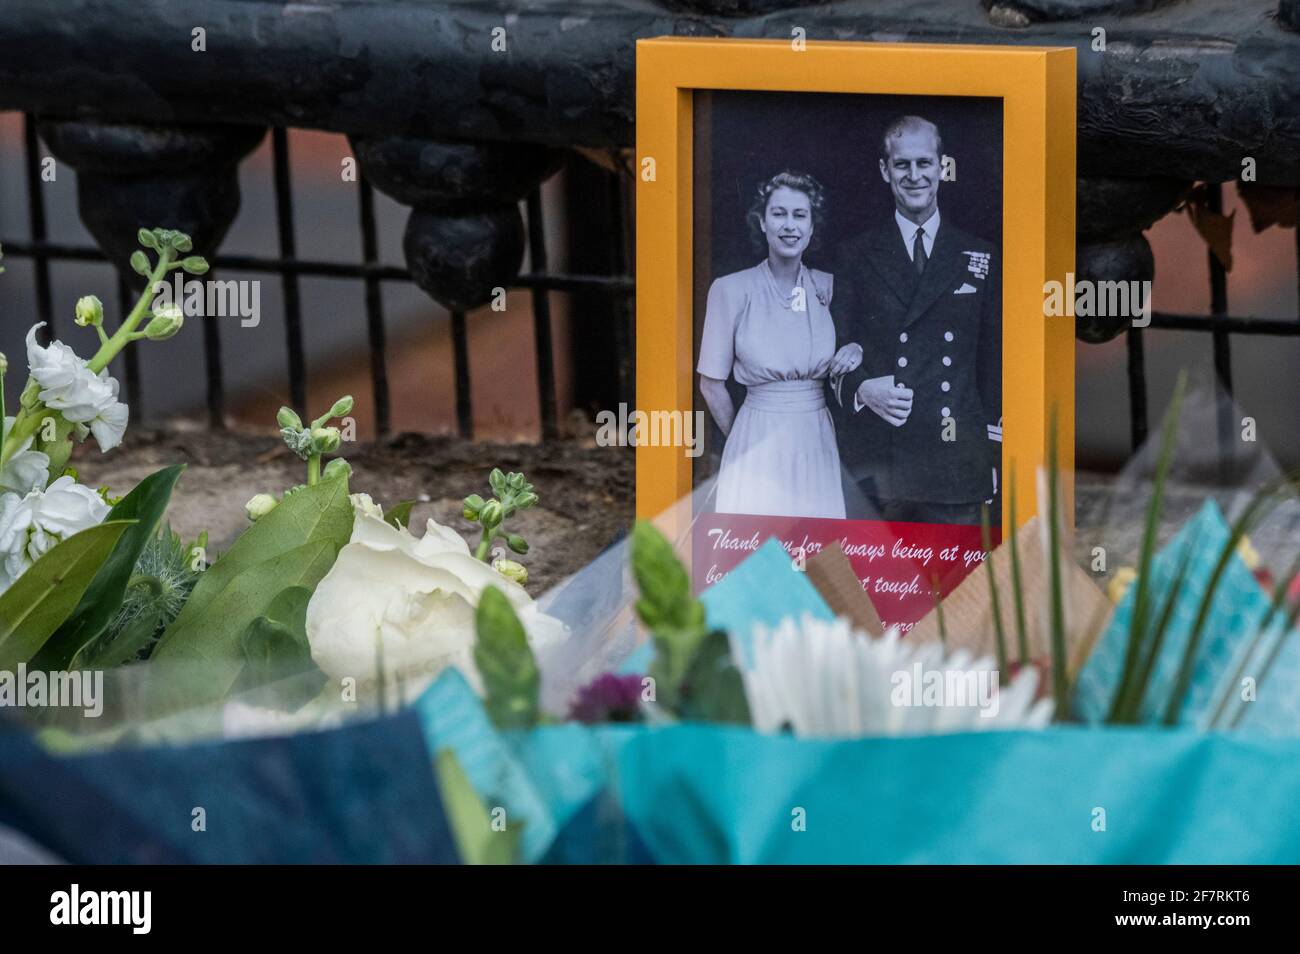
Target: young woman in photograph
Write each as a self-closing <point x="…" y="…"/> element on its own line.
<point x="770" y="327"/>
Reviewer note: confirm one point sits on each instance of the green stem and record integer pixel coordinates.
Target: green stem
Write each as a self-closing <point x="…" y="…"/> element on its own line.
<point x="938" y="608"/>
<point x="1060" y="673"/>
<point x="484" y="548"/>
<point x="26" y="423"/>
<point x="113" y="346"/>
<point x="1017" y="595"/>
<point x="2" y="416"/>
<point x="313" y="470"/>
<point x="999" y="632"/>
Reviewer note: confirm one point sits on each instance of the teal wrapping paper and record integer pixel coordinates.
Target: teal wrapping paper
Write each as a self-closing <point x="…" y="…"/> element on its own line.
<point x="699" y="794"/>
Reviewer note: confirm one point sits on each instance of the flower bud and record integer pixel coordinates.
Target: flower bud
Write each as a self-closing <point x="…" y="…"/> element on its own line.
<point x="491" y="515"/>
<point x="342" y="406"/>
<point x="338" y="467"/>
<point x="524" y="501"/>
<point x="259" y="505"/>
<point x="90" y="311"/>
<point x="517" y="543"/>
<point x="286" y="417"/>
<point x="195" y="265"/>
<point x="473" y="505"/>
<point x="165" y="324"/>
<point x="180" y="241"/>
<point x="325" y="440"/>
<point x="139" y="263"/>
<point x="4" y="363"/>
<point x="146" y="238"/>
<point x="511" y="570"/>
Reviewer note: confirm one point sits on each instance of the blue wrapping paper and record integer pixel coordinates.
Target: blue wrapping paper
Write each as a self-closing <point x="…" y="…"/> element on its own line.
<point x="360" y="794"/>
<point x="697" y="794"/>
<point x="714" y="795"/>
<point x="1237" y="609"/>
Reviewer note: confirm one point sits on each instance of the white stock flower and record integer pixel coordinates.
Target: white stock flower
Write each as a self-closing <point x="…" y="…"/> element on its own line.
<point x="32" y="524"/>
<point x="26" y="469"/>
<point x="411" y="600"/>
<point x="827" y="680"/>
<point x="71" y="388"/>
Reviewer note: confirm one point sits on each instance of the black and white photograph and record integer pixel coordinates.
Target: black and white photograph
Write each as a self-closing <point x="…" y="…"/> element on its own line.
<point x="847" y="291"/>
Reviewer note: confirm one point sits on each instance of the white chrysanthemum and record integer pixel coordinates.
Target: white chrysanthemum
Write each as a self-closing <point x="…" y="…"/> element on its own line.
<point x="68" y="386"/>
<point x="26" y="469"/>
<point x="32" y="524"/>
<point x="411" y="600"/>
<point x="823" y="679"/>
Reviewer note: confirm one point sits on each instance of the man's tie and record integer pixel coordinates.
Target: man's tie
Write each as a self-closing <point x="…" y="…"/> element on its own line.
<point x="918" y="251"/>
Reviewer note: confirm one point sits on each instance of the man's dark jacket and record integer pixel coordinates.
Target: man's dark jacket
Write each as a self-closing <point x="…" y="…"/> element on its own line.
<point x="907" y="326"/>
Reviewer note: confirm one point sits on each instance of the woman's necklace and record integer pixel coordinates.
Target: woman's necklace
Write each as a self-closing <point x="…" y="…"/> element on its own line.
<point x="786" y="300"/>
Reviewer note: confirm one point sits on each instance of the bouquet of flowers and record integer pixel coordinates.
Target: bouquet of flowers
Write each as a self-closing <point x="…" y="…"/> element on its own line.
<point x="326" y="601"/>
<point x="758" y="724"/>
<point x="334" y="686"/>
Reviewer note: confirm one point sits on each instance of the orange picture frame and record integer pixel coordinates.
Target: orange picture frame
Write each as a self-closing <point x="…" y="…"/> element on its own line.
<point x="1037" y="88"/>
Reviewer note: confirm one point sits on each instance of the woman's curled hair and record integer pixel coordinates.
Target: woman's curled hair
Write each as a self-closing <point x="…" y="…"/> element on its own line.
<point x="797" y="181"/>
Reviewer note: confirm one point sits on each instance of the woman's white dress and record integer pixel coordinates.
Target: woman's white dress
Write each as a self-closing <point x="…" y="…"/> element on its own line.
<point x="780" y="458"/>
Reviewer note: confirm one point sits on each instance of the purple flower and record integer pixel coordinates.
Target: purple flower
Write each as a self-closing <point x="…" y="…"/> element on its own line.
<point x="608" y="698"/>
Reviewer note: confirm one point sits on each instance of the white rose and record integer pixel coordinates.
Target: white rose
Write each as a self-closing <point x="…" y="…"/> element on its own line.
<point x="32" y="524"/>
<point x="71" y="388"/>
<point x="411" y="599"/>
<point x="26" y="470"/>
<point x="363" y="503"/>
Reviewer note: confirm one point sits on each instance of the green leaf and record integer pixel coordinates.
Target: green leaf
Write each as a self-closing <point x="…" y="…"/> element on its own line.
<point x="468" y="817"/>
<point x="145" y="505"/>
<point x="668" y="609"/>
<point x="276" y="650"/>
<point x="713" y="690"/>
<point x="124" y="648"/>
<point x="294" y="545"/>
<point x="215" y="635"/>
<point x="505" y="662"/>
<point x="399" y="515"/>
<point x="43" y="597"/>
<point x="666" y="601"/>
<point x="321" y="513"/>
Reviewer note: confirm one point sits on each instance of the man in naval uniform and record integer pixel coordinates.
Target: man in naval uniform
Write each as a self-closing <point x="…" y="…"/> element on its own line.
<point x="918" y="422"/>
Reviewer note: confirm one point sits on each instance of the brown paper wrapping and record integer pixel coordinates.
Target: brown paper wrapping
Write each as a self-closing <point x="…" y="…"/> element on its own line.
<point x="968" y="610"/>
<point x="835" y="579"/>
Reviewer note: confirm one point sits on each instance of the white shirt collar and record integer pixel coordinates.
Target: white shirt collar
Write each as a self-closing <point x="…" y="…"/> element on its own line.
<point x="907" y="228"/>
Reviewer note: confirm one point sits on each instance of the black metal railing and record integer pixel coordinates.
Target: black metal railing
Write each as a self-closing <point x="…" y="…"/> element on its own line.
<point x="540" y="281"/>
<point x="1220" y="326"/>
<point x="289" y="267"/>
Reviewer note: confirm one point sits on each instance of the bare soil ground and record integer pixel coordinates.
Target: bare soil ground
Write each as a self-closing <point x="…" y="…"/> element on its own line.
<point x="586" y="493"/>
